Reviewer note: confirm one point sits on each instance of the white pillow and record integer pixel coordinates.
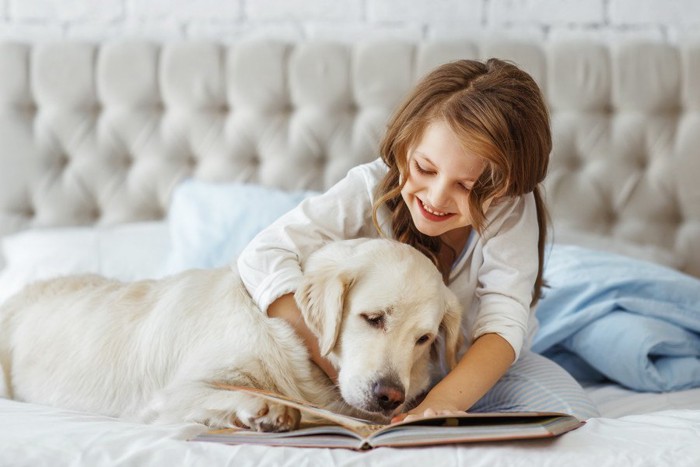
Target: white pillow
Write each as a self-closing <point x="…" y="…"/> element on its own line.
<point x="126" y="252"/>
<point x="592" y="241"/>
<point x="210" y="223"/>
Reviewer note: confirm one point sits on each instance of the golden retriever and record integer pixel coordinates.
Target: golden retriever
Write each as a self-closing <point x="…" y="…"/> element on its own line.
<point x="153" y="350"/>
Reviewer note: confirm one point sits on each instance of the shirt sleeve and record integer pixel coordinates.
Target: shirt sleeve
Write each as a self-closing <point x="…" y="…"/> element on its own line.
<point x="270" y="265"/>
<point x="508" y="272"/>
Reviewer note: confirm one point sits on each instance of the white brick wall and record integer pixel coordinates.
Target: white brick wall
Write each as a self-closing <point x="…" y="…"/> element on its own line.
<point x="347" y="20"/>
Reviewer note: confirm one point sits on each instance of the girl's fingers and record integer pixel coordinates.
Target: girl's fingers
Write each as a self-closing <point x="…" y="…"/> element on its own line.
<point x="408" y="417"/>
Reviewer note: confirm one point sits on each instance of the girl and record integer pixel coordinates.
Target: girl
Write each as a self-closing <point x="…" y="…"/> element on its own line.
<point x="458" y="179"/>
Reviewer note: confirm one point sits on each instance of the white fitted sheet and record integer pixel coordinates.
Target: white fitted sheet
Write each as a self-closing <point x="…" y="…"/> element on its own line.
<point x="636" y="430"/>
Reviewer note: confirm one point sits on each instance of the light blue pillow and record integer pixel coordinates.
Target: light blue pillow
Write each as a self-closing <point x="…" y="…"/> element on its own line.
<point x="211" y="223"/>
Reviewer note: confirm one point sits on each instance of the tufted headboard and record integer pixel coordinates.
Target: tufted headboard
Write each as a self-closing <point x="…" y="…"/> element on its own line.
<point x="100" y="133"/>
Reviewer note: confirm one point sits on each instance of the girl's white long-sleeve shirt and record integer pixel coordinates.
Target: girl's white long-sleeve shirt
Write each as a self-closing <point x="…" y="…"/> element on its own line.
<point x="493" y="277"/>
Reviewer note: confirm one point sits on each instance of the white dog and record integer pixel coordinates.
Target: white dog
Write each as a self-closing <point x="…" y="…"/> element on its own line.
<point x="153" y="350"/>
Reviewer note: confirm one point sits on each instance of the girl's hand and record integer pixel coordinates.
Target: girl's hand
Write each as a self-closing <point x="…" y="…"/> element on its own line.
<point x="410" y="416"/>
<point x="430" y="407"/>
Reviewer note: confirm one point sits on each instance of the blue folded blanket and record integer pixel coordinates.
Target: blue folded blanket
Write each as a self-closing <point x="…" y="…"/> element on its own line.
<point x="608" y="316"/>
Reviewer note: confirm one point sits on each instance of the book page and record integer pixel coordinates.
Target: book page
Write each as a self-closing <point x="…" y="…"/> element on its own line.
<point x="327" y="436"/>
<point x="361" y="427"/>
<point x="475" y="427"/>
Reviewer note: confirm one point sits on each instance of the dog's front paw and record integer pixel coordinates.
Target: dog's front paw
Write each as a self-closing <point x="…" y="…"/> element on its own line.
<point x="266" y="416"/>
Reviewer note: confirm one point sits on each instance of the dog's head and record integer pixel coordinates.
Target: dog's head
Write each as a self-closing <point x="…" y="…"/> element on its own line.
<point x="377" y="307"/>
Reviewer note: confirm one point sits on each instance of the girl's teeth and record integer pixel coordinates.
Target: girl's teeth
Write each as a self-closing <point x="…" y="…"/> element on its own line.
<point x="435" y="213"/>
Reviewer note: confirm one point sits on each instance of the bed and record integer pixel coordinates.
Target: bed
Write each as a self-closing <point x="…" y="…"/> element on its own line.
<point x="136" y="159"/>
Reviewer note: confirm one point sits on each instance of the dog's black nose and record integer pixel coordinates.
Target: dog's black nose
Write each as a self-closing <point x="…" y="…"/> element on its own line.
<point x="389" y="395"/>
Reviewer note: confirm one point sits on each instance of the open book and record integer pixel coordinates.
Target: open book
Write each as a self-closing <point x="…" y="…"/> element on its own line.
<point x="341" y="431"/>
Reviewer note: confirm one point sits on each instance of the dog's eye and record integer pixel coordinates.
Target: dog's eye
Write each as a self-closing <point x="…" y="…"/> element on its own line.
<point x="376" y="321"/>
<point x="423" y="339"/>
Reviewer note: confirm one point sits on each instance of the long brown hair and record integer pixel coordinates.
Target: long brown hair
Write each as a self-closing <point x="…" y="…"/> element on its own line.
<point x="497" y="111"/>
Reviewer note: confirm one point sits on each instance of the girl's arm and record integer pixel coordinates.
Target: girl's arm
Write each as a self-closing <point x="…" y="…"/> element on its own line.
<point x="506" y="277"/>
<point x="488" y="358"/>
<point x="270" y="266"/>
<point x="286" y="308"/>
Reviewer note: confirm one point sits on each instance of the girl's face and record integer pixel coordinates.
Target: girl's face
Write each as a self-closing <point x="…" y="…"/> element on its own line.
<point x="440" y="176"/>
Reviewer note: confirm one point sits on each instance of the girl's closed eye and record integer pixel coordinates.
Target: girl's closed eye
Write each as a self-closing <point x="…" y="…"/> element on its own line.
<point x="420" y="169"/>
<point x="424" y="171"/>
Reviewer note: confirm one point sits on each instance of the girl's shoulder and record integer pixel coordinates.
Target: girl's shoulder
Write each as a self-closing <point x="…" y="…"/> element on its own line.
<point x="508" y="204"/>
<point x="372" y="171"/>
<point x="512" y="212"/>
<point x="359" y="183"/>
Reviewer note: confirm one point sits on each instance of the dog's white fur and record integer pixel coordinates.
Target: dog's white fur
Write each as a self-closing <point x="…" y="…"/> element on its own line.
<point x="150" y="350"/>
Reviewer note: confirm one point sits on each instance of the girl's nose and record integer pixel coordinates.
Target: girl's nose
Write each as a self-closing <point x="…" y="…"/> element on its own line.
<point x="438" y="195"/>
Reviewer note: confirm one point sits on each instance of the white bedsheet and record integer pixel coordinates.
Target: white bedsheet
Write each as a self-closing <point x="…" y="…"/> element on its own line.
<point x="614" y="401"/>
<point x="649" y="431"/>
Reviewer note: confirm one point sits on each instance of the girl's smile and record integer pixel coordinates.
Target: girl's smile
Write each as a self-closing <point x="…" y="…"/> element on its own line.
<point x="432" y="214"/>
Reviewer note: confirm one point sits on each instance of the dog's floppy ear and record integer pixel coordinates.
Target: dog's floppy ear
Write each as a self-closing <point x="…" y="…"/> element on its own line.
<point x="321" y="299"/>
<point x="451" y="326"/>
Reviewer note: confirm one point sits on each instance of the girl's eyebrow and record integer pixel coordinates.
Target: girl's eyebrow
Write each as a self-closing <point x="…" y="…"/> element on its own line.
<point x="427" y="159"/>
